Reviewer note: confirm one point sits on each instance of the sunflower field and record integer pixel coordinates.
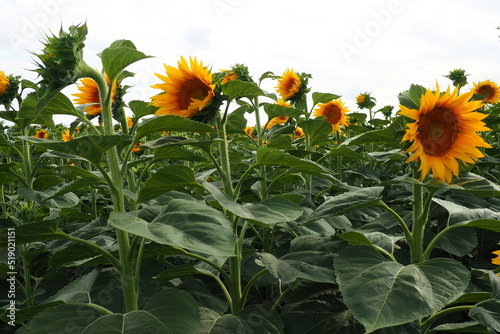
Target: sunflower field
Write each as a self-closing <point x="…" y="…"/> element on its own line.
<point x="219" y="207"/>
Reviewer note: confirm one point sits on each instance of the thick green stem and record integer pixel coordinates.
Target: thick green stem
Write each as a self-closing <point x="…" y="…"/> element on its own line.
<point x="402" y="223"/>
<point x="224" y="157"/>
<point x="238" y="299"/>
<point x="127" y="271"/>
<point x="419" y="222"/>
<point x="28" y="172"/>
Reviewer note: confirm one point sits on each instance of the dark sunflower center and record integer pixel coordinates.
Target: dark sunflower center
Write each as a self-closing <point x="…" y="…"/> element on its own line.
<point x="437" y="131"/>
<point x="486" y="91"/>
<point x="192" y="89"/>
<point x="333" y="114"/>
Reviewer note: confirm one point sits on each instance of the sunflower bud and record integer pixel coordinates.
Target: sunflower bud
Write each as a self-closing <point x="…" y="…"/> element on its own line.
<point x="9" y="86"/>
<point x="365" y="101"/>
<point x="61" y="63"/>
<point x="458" y="77"/>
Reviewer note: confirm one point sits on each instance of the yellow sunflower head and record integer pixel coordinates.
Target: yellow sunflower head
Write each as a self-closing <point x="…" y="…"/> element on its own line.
<point x="489" y="90"/>
<point x="136" y="149"/>
<point x="444" y="131"/>
<point x="250" y="131"/>
<point x="9" y="86"/>
<point x="335" y="113"/>
<point x="187" y="89"/>
<point x="496" y="260"/>
<point x="130" y="122"/>
<point x="41" y="134"/>
<point x="292" y="86"/>
<point x="89" y="94"/>
<point x="277" y="120"/>
<point x="299" y="133"/>
<point x="67" y="135"/>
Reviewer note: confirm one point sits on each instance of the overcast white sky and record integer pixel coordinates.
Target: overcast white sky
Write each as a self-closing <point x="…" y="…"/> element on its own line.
<point x="349" y="47"/>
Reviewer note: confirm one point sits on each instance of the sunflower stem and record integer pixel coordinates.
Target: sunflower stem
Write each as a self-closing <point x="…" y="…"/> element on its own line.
<point x="127" y="271"/>
<point x="419" y="222"/>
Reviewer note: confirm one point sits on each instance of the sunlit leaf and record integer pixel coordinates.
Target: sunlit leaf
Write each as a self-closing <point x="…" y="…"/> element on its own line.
<point x="118" y="56"/>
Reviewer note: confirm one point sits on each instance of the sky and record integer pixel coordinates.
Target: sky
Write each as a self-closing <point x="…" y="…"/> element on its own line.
<point x="348" y="47"/>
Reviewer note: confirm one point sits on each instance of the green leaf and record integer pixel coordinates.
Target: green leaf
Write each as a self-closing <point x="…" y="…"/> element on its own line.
<point x="318" y="308"/>
<point x="411" y="98"/>
<point x="487" y="313"/>
<point x="50" y="197"/>
<point x="462" y="327"/>
<point x="274" y="110"/>
<point x="184" y="224"/>
<point x="168" y="178"/>
<point x="269" y="212"/>
<point x="385" y="135"/>
<point x="236" y="89"/>
<point x="39" y="231"/>
<point x="472" y="183"/>
<point x="317" y="130"/>
<point x="56" y="320"/>
<point x="458" y="241"/>
<point x="91" y="148"/>
<point x="176" y="309"/>
<point x="60" y="104"/>
<point x="236" y="120"/>
<point x="141" y="108"/>
<point x="375" y="239"/>
<point x="348" y="201"/>
<point x="129" y="323"/>
<point x="176" y="153"/>
<point x="78" y="291"/>
<point x="345" y="151"/>
<point x="167" y="141"/>
<point x="118" y="56"/>
<point x="382" y="293"/>
<point x="169" y="123"/>
<point x="252" y="319"/>
<point x="180" y="271"/>
<point x="269" y="156"/>
<point x="323" y="97"/>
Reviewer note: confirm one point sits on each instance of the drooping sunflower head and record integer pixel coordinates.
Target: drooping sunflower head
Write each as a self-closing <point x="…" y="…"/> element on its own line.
<point x="444" y="131"/>
<point x="489" y="90"/>
<point x="9" y="86"/>
<point x="250" y="131"/>
<point x="62" y="57"/>
<point x="42" y="134"/>
<point x="292" y="86"/>
<point x="130" y="122"/>
<point x="299" y="133"/>
<point x="89" y="94"/>
<point x="187" y="89"/>
<point x="67" y="135"/>
<point x="335" y="113"/>
<point x="237" y="72"/>
<point x="365" y="101"/>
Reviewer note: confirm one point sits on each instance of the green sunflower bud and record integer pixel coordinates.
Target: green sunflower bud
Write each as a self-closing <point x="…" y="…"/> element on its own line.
<point x="9" y="86"/>
<point x="458" y="77"/>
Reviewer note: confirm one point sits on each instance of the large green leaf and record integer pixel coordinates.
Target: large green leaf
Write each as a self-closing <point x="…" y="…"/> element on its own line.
<point x="346" y="202"/>
<point x="252" y="319"/>
<point x="118" y="56"/>
<point x="385" y="135"/>
<point x="176" y="153"/>
<point x="176" y="309"/>
<point x="269" y="212"/>
<point x="382" y="293"/>
<point x="269" y="156"/>
<point x="323" y="97"/>
<point x="166" y="179"/>
<point x="60" y="104"/>
<point x="50" y="197"/>
<point x="91" y="148"/>
<point x="169" y="123"/>
<point x="56" y="320"/>
<point x="317" y="130"/>
<point x="39" y="231"/>
<point x="78" y="291"/>
<point x="274" y="110"/>
<point x="141" y="108"/>
<point x="411" y="98"/>
<point x="184" y="224"/>
<point x="129" y="323"/>
<point x="487" y="313"/>
<point x="236" y="88"/>
<point x="318" y="308"/>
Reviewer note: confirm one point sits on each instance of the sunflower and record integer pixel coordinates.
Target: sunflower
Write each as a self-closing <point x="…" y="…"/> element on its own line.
<point x="496" y="260"/>
<point x="136" y="148"/>
<point x="89" y="94"/>
<point x="130" y="122"/>
<point x="299" y="133"/>
<point x="229" y="75"/>
<point x="289" y="84"/>
<point x="489" y="90"/>
<point x="335" y="113"/>
<point x="4" y="82"/>
<point x="186" y="90"/>
<point x="444" y="131"/>
<point x="365" y="101"/>
<point x="250" y="131"/>
<point x="41" y="134"/>
<point x="277" y="120"/>
<point x="66" y="135"/>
